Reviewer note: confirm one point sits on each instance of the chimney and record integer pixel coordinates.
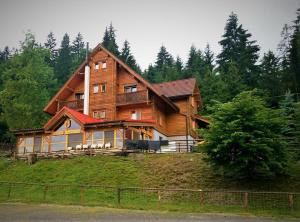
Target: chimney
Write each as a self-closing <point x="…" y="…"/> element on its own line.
<point x="86" y="83"/>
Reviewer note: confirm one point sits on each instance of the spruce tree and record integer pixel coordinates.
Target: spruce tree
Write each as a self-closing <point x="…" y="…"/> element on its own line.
<point x="127" y="57"/>
<point x="77" y="51"/>
<point x="63" y="64"/>
<point x="294" y="54"/>
<point x="109" y="40"/>
<point x="238" y="48"/>
<point x="270" y="77"/>
<point x="208" y="58"/>
<point x="51" y="44"/>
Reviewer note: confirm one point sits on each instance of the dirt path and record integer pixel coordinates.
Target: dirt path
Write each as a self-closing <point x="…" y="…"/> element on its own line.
<point x="36" y="213"/>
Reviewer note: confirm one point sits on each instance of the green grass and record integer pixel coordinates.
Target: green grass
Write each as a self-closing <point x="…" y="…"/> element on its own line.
<point x="169" y="171"/>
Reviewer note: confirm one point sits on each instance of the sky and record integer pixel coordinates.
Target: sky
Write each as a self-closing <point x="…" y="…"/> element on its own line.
<point x="146" y="24"/>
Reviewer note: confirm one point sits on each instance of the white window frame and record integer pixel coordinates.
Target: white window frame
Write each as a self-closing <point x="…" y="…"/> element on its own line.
<point x="96" y="88"/>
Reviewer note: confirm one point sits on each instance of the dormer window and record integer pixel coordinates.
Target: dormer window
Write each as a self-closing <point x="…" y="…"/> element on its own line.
<point x="97" y="66"/>
<point x="130" y="88"/>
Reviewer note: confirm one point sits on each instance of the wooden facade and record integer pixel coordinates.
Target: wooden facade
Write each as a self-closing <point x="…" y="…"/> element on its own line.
<point x="121" y="103"/>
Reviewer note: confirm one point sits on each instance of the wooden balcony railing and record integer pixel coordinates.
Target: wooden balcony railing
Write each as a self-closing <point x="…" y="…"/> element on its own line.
<point x="132" y="98"/>
<point x="74" y="104"/>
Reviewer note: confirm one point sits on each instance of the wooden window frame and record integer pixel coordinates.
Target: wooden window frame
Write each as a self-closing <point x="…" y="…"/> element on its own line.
<point x="94" y="87"/>
<point x="131" y="86"/>
<point x="103" y="88"/>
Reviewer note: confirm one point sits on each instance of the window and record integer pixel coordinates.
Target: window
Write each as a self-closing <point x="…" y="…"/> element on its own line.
<point x="103" y="87"/>
<point x="37" y="144"/>
<point x="103" y="65"/>
<point x="96" y="66"/>
<point x="79" y="96"/>
<point x="100" y="114"/>
<point x="58" y="142"/>
<point x="74" y="139"/>
<point x="25" y="145"/>
<point x="135" y="115"/>
<point x="96" y="88"/>
<point x="129" y="89"/>
<point x="109" y="137"/>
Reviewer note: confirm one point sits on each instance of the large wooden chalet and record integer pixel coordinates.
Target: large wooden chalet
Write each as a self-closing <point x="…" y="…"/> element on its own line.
<point x="105" y="103"/>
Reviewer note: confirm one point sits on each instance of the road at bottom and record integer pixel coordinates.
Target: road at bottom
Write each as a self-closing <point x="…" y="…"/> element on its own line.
<point x="15" y="212"/>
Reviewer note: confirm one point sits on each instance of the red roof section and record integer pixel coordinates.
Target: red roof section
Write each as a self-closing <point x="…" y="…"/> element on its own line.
<point x="176" y="88"/>
<point x="80" y="117"/>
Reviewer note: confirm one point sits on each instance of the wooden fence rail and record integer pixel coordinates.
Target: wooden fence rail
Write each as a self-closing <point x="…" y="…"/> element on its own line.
<point x="147" y="197"/>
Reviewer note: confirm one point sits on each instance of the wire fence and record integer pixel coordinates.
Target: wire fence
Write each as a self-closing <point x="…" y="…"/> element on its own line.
<point x="147" y="198"/>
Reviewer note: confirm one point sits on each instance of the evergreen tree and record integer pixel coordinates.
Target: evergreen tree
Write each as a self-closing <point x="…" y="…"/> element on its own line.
<point x="208" y="58"/>
<point x="291" y="112"/>
<point x="109" y="40"/>
<point x="27" y="79"/>
<point x="294" y="54"/>
<point x="128" y="58"/>
<point x="195" y="64"/>
<point x="78" y="51"/>
<point x="164" y="58"/>
<point x="150" y="73"/>
<point x="51" y="44"/>
<point x="270" y="77"/>
<point x="63" y="66"/>
<point x="237" y="48"/>
<point x="179" y="65"/>
<point x="244" y="138"/>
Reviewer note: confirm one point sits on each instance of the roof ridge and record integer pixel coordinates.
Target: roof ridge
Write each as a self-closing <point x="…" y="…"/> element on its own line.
<point x="178" y="80"/>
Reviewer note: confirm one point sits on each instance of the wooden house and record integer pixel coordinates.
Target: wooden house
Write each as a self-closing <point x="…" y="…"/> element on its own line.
<point x="106" y="102"/>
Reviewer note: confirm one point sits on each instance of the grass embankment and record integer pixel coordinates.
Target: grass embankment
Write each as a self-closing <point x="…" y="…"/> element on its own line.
<point x="168" y="171"/>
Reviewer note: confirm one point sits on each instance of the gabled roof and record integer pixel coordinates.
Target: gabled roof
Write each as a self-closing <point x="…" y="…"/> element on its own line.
<point x="125" y="66"/>
<point x="80" y="118"/>
<point x="183" y="87"/>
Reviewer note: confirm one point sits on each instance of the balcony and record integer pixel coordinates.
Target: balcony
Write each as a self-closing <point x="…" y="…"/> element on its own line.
<point x="74" y="104"/>
<point x="132" y="98"/>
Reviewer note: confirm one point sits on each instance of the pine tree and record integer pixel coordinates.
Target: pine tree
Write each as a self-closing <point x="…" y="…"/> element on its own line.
<point x="78" y="51"/>
<point x="237" y="47"/>
<point x="51" y="44"/>
<point x="195" y="66"/>
<point x="109" y="40"/>
<point x="179" y="65"/>
<point x="270" y="77"/>
<point x="127" y="57"/>
<point x="164" y="58"/>
<point x="208" y="58"/>
<point x="63" y="64"/>
<point x="294" y="54"/>
<point x="290" y="111"/>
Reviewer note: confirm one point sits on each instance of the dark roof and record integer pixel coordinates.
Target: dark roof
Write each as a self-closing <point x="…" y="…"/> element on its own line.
<point x="183" y="87"/>
<point x="25" y="131"/>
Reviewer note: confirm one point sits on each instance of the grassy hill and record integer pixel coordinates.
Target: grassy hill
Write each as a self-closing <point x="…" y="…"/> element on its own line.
<point x="172" y="171"/>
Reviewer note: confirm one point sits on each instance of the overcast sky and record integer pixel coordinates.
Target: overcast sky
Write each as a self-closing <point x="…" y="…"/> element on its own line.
<point x="146" y="24"/>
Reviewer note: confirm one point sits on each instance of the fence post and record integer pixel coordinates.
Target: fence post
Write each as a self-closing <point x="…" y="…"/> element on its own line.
<point x="81" y="194"/>
<point x="246" y="200"/>
<point x="45" y="192"/>
<point x="201" y="197"/>
<point x="119" y="195"/>
<point x="9" y="191"/>
<point x="291" y="201"/>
